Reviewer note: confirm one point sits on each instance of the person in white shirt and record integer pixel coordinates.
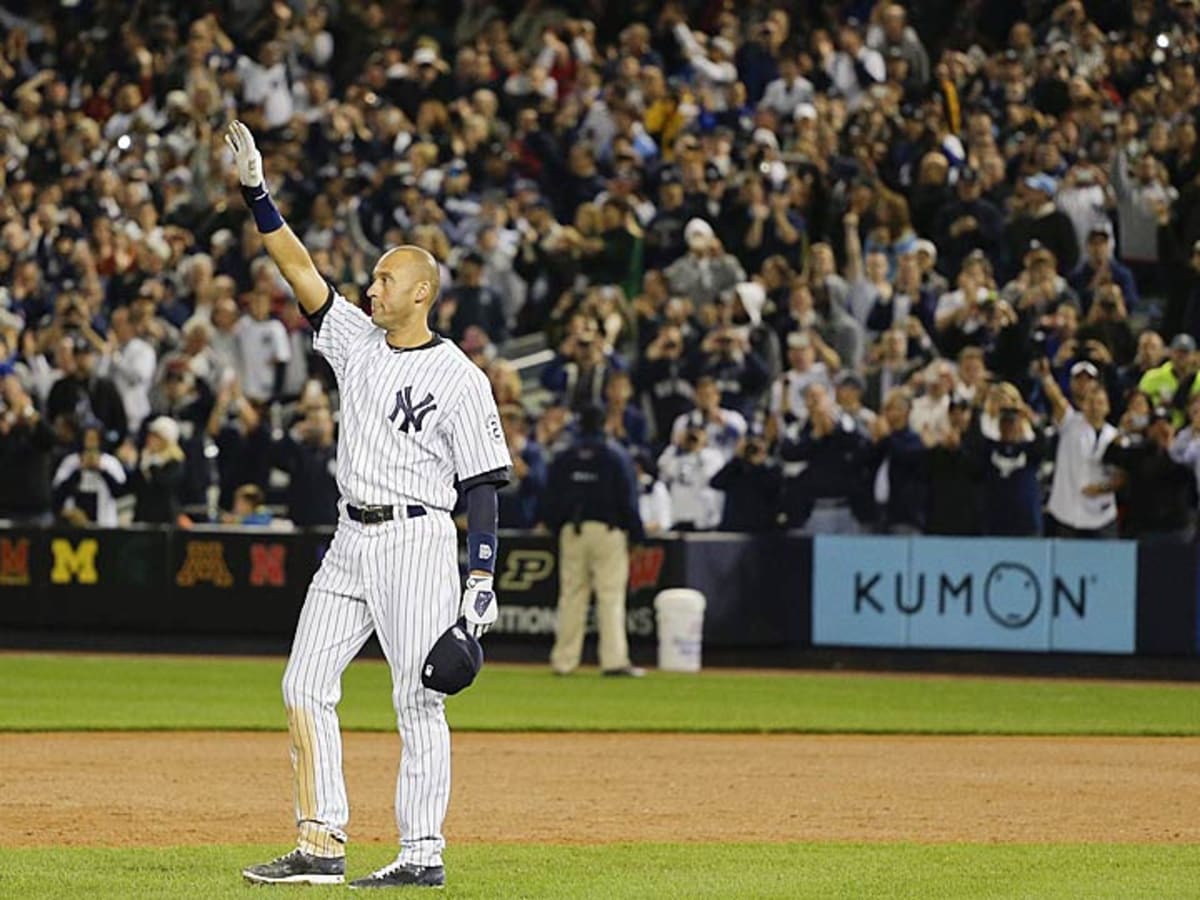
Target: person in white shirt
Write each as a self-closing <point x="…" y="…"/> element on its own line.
<point x="786" y="401"/>
<point x="687" y="467"/>
<point x="266" y="82"/>
<point x="654" y="499"/>
<point x="1085" y="197"/>
<point x="930" y="416"/>
<point x="723" y="428"/>
<point x="854" y="68"/>
<point x="712" y="69"/>
<point x="131" y="366"/>
<point x="1185" y="447"/>
<point x="1083" y="501"/>
<point x="788" y="91"/>
<point x="88" y="482"/>
<point x="263" y="350"/>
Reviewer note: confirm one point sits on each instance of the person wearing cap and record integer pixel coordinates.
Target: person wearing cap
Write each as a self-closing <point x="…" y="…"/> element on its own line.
<point x="591" y="502"/>
<point x="1011" y="496"/>
<point x="968" y="222"/>
<point x="932" y="281"/>
<point x="706" y="271"/>
<point x="1083" y="502"/>
<point x="806" y="366"/>
<point x="1160" y="494"/>
<point x="1098" y="268"/>
<point x="723" y="427"/>
<point x="81" y="387"/>
<point x="155" y="476"/>
<point x="849" y="387"/>
<point x="1038" y="219"/>
<point x="664" y="241"/>
<point x="88" y="481"/>
<point x="952" y="468"/>
<point x="1164" y="383"/>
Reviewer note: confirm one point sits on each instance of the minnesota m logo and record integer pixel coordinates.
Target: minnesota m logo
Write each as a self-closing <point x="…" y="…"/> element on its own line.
<point x="413" y="415"/>
<point x="73" y="563"/>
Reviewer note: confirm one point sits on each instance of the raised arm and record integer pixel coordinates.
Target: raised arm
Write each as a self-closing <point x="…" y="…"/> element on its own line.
<point x="1059" y="405"/>
<point x="281" y="242"/>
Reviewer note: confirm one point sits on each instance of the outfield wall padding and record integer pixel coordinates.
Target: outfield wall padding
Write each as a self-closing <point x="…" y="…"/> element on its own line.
<point x="899" y="593"/>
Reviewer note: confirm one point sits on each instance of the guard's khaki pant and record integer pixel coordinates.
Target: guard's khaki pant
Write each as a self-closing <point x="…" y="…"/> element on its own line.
<point x="592" y="556"/>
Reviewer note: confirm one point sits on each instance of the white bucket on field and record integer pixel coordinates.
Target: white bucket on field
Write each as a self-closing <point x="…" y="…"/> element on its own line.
<point x="680" y="613"/>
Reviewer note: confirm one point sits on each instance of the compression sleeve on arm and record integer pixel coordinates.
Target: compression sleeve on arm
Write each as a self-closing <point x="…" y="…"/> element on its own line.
<point x="482" y="516"/>
<point x="266" y="214"/>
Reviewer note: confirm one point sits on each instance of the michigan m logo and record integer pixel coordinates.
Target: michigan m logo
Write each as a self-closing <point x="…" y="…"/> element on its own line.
<point x="73" y="563"/>
<point x="413" y="415"/>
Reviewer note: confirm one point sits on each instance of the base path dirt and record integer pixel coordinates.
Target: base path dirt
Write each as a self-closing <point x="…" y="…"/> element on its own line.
<point x="156" y="789"/>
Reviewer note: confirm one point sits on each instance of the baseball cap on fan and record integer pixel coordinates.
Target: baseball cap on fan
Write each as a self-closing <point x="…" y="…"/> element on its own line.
<point x="698" y="233"/>
<point x="425" y="56"/>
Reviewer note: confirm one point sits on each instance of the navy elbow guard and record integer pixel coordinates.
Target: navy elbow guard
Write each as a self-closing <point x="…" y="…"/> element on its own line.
<point x="266" y="214"/>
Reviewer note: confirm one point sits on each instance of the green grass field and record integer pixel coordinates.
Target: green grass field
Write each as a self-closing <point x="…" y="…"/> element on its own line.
<point x="70" y="692"/>
<point x="40" y="692"/>
<point x="888" y="872"/>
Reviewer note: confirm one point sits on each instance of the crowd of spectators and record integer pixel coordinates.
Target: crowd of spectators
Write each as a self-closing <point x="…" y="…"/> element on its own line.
<point x="834" y="266"/>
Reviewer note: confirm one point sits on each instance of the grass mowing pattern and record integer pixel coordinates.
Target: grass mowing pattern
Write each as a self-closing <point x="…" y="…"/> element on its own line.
<point x="43" y="692"/>
<point x="794" y="871"/>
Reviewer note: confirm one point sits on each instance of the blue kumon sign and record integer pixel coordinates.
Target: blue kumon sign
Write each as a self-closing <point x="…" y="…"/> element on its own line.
<point x="975" y="593"/>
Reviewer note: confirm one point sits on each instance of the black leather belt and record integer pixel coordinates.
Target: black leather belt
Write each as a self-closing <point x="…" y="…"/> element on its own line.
<point x="376" y="515"/>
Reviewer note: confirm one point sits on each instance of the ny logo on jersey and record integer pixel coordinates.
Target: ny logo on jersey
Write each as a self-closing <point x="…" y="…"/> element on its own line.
<point x="413" y="415"/>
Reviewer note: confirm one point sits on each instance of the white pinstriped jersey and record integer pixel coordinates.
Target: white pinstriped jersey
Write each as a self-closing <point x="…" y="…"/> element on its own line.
<point x="413" y="421"/>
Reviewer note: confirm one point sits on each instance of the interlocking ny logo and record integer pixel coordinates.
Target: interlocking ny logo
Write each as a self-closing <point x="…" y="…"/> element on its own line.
<point x="413" y="415"/>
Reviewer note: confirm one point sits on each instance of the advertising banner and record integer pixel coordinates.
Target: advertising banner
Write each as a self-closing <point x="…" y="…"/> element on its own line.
<point x="527" y="585"/>
<point x="972" y="594"/>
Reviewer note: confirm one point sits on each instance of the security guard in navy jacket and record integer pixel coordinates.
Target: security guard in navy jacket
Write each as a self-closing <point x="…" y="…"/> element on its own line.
<point x="591" y="501"/>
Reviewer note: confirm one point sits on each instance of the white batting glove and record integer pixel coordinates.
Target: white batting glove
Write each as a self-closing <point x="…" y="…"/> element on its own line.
<point x="245" y="154"/>
<point x="479" y="607"/>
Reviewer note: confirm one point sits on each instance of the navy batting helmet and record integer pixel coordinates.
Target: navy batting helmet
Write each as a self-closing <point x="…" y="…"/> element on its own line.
<point x="453" y="662"/>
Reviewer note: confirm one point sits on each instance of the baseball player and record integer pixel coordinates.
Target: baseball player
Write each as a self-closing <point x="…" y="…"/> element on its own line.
<point x="417" y="418"/>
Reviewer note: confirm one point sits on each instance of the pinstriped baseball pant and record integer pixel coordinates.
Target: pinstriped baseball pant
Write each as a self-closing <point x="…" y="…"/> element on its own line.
<point x="399" y="579"/>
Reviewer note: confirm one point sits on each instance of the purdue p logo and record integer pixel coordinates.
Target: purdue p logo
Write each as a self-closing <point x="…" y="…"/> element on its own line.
<point x="413" y="415"/>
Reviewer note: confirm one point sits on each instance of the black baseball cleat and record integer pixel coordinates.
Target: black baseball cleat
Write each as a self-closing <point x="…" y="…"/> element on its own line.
<point x="403" y="875"/>
<point x="625" y="672"/>
<point x="298" y="867"/>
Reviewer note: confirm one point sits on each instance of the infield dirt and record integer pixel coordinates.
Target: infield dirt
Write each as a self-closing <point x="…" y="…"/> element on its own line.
<point x="161" y="789"/>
